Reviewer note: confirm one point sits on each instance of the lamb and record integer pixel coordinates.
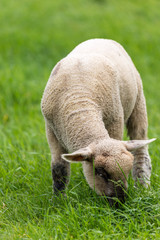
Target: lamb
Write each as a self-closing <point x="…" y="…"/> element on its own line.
<point x="91" y="94"/>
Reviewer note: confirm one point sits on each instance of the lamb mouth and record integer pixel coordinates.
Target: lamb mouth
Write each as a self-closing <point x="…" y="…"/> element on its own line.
<point x="116" y="199"/>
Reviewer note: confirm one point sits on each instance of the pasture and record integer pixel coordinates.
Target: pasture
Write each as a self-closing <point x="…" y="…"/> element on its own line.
<point x="34" y="35"/>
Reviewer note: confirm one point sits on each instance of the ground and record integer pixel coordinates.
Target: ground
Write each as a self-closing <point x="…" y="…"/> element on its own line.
<point x="34" y="35"/>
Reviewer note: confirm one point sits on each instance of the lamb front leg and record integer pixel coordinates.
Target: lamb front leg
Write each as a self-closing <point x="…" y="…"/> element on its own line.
<point x="60" y="168"/>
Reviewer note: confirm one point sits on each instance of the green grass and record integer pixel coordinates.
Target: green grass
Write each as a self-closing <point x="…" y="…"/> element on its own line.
<point x="34" y="35"/>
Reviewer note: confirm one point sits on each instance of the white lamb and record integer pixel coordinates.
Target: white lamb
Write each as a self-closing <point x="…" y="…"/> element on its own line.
<point x="89" y="97"/>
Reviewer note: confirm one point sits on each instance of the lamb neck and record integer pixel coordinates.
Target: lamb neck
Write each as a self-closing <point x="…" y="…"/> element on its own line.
<point x="80" y="122"/>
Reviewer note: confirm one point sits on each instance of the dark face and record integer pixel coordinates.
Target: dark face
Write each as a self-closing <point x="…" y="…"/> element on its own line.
<point x="107" y="177"/>
<point x="117" y="187"/>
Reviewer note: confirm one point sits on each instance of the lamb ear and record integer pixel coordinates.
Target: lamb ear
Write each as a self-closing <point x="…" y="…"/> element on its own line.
<point x="83" y="154"/>
<point x="136" y="144"/>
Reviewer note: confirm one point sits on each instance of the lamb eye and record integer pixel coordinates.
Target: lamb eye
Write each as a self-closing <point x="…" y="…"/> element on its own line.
<point x="102" y="173"/>
<point x="105" y="154"/>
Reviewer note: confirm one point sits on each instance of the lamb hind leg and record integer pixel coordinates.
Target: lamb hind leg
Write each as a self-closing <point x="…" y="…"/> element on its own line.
<point x="60" y="168"/>
<point x="137" y="126"/>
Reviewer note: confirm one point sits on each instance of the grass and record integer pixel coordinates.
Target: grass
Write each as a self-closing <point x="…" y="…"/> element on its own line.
<point x="34" y="35"/>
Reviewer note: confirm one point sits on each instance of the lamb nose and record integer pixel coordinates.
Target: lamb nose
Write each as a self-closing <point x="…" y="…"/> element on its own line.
<point x="115" y="200"/>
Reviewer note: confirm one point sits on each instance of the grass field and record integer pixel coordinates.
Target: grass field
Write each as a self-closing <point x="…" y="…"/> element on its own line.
<point x="34" y="35"/>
